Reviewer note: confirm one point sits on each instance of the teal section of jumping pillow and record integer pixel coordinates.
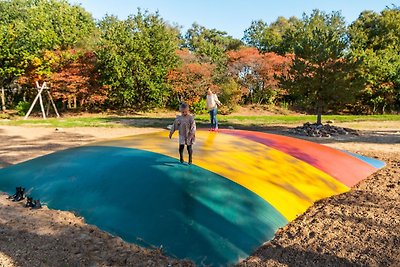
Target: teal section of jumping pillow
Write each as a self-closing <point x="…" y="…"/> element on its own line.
<point x="152" y="200"/>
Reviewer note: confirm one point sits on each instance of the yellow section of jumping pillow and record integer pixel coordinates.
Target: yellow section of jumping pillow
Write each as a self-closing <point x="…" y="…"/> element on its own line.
<point x="288" y="184"/>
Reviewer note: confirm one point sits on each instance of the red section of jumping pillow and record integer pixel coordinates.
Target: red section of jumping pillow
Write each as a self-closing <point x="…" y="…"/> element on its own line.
<point x="345" y="168"/>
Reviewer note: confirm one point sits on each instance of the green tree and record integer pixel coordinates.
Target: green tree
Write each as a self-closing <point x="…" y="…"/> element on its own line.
<point x="210" y="44"/>
<point x="31" y="27"/>
<point x="12" y="62"/>
<point x="320" y="75"/>
<point x="375" y="42"/>
<point x="135" y="56"/>
<point x="210" y="47"/>
<point x="269" y="38"/>
<point x="12" y="52"/>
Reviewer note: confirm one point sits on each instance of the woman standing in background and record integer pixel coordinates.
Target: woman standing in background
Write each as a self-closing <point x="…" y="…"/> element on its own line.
<point x="212" y="104"/>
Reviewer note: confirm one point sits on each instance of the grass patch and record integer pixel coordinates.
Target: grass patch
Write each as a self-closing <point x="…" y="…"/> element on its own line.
<point x="63" y="122"/>
<point x="151" y="121"/>
<point x="297" y="119"/>
<point x="104" y="121"/>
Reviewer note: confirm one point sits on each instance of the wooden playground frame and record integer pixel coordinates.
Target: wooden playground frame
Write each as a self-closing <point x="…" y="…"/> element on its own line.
<point x="39" y="96"/>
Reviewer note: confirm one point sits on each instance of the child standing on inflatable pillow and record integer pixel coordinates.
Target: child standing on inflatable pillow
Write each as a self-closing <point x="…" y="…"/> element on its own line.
<point x="186" y="127"/>
<point x="212" y="103"/>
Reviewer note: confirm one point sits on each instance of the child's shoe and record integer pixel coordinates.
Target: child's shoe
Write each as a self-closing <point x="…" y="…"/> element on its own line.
<point x="37" y="204"/>
<point x="17" y="189"/>
<point x="29" y="202"/>
<point x="20" y="194"/>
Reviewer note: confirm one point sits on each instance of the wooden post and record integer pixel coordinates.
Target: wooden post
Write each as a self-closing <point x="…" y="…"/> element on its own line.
<point x="39" y="96"/>
<point x="34" y="101"/>
<point x="41" y="103"/>
<point x="3" y="100"/>
<point x="52" y="102"/>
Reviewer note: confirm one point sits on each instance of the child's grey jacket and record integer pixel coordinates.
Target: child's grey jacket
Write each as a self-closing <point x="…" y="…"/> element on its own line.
<point x="186" y="127"/>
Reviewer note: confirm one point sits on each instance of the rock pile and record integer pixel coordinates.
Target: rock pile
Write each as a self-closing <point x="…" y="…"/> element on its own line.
<point x="321" y="130"/>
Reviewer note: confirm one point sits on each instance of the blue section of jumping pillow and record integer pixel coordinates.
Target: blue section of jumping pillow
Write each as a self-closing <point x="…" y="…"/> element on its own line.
<point x="151" y="199"/>
<point x="371" y="161"/>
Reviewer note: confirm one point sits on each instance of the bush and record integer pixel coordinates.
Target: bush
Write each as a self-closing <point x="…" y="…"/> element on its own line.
<point x="199" y="107"/>
<point x="5" y="116"/>
<point x="22" y="108"/>
<point x="230" y="96"/>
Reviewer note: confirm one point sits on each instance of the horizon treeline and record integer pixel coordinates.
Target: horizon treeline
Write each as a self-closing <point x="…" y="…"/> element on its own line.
<point x="315" y="63"/>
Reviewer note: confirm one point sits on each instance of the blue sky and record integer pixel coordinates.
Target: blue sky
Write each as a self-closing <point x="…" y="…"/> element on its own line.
<point x="232" y="16"/>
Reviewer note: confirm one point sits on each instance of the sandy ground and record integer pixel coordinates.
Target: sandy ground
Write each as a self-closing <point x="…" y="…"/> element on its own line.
<point x="361" y="227"/>
<point x="18" y="144"/>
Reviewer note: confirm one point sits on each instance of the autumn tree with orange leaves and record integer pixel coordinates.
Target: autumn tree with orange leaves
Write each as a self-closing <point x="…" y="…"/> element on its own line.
<point x="256" y="73"/>
<point x="190" y="81"/>
<point x="76" y="83"/>
<point x="72" y="76"/>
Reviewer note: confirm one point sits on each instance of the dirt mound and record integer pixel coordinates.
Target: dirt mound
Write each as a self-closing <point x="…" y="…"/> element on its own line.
<point x="321" y="130"/>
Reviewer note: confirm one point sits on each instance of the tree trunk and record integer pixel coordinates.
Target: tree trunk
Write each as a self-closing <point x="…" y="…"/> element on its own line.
<point x="3" y="100"/>
<point x="319" y="114"/>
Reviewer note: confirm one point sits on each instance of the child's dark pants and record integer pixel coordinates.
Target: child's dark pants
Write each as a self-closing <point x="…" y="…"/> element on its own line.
<point x="190" y="151"/>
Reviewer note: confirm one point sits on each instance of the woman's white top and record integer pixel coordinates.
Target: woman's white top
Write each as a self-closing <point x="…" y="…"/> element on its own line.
<point x="212" y="101"/>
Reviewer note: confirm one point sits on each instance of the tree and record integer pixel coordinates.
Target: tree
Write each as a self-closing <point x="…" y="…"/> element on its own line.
<point x="256" y="72"/>
<point x="210" y="46"/>
<point x="269" y="38"/>
<point x="375" y="42"/>
<point x="77" y="82"/>
<point x="56" y="24"/>
<point x="135" y="55"/>
<point x="12" y="61"/>
<point x="320" y="75"/>
<point x="191" y="79"/>
<point x="28" y="28"/>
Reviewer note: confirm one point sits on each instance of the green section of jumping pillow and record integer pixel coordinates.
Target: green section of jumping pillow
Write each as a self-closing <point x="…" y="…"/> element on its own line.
<point x="151" y="199"/>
